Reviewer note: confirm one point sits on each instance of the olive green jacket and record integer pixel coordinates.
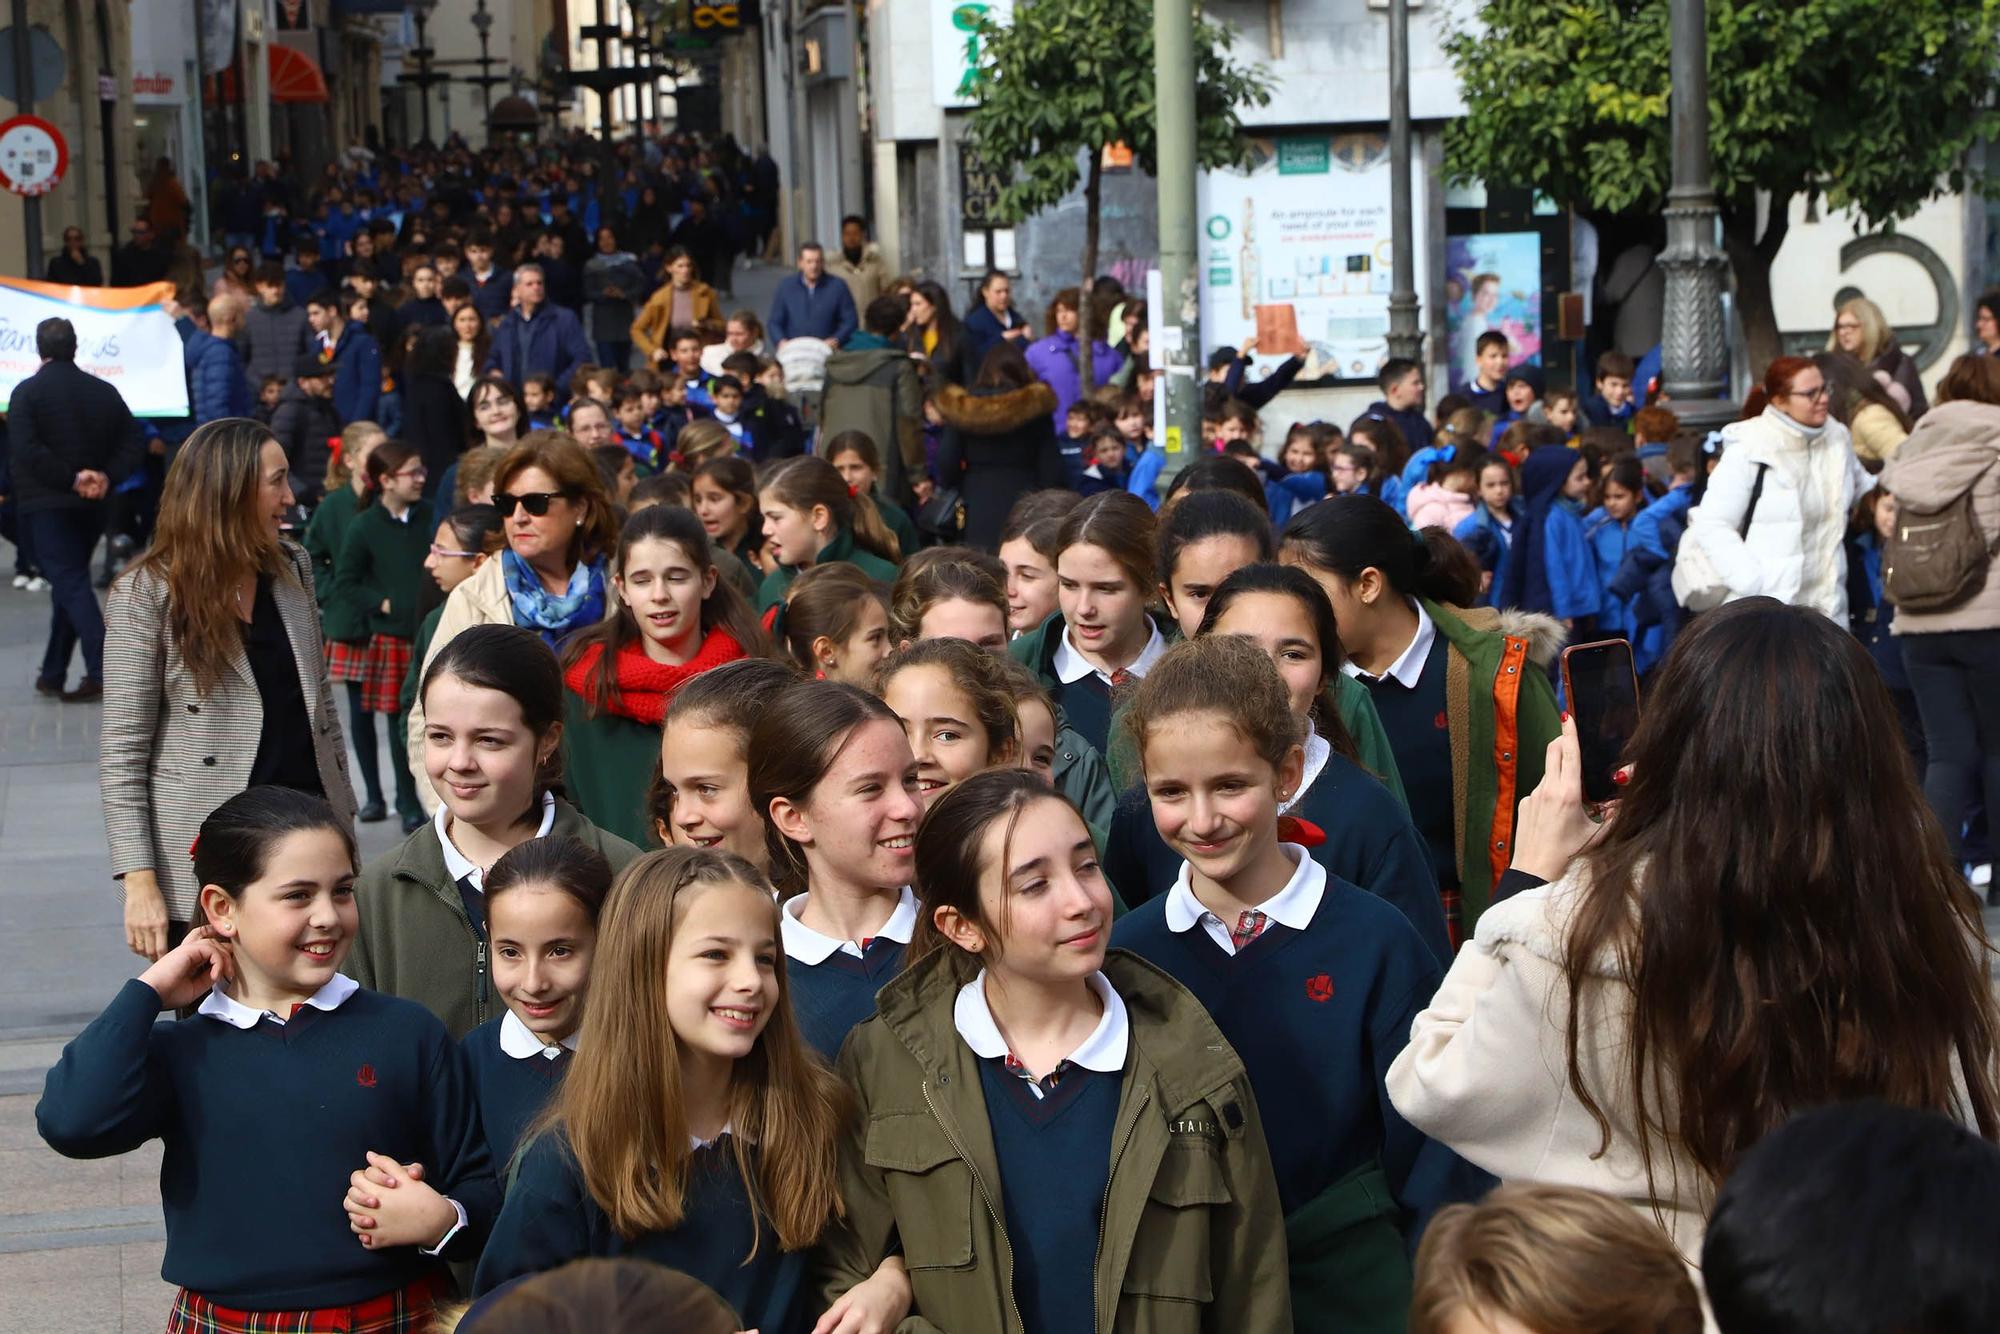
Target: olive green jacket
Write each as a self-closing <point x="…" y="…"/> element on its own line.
<point x="1192" y="1237"/>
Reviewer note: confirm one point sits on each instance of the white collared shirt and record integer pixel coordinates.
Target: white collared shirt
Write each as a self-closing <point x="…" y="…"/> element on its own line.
<point x="1318" y="752"/>
<point x="1408" y="668"/>
<point x="219" y="1004"/>
<point x="519" y="1041"/>
<point x="810" y="947"/>
<point x="1071" y="666"/>
<point x="455" y="864"/>
<point x="1292" y="906"/>
<point x="1102" y="1051"/>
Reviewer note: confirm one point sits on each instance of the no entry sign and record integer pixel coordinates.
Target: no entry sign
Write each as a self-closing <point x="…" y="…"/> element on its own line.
<point x="33" y="156"/>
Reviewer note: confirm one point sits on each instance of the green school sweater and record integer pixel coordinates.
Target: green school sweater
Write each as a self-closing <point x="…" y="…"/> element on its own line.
<point x="382" y="559"/>
<point x="608" y="764"/>
<point x="325" y="533"/>
<point x="841" y="548"/>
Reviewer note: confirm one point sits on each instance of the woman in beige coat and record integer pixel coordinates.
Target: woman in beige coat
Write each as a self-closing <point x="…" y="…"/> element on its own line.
<point x="214" y="675"/>
<point x="1736" y="944"/>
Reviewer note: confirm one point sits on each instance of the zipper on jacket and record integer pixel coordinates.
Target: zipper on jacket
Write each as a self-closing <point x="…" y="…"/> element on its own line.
<point x="1104" y="1205"/>
<point x="482" y="979"/>
<point x="999" y="1219"/>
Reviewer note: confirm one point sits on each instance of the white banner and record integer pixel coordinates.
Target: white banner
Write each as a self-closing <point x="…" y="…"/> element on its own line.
<point x="122" y="337"/>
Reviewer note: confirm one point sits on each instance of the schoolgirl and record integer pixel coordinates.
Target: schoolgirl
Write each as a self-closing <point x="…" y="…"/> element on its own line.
<point x="1553" y="570"/>
<point x="1449" y="494"/>
<point x="1352" y="467"/>
<point x="379" y="577"/>
<point x="835" y="624"/>
<point x="469" y="537"/>
<point x="1392" y="455"/>
<point x="1608" y="531"/>
<point x="1312" y="980"/>
<point x="1356" y="828"/>
<point x="950" y="593"/>
<point x="695" y="1129"/>
<point x="833" y="774"/>
<point x="702" y="796"/>
<point x="1028" y="554"/>
<point x="810" y="519"/>
<point x="1462" y="694"/>
<point x="345" y="628"/>
<point x="1102" y="635"/>
<point x="542" y="903"/>
<point x="723" y="495"/>
<point x="1081" y="1094"/>
<point x="492" y="701"/>
<point x="858" y="460"/>
<point x="675" y="619"/>
<point x="284" y="1062"/>
<point x="957" y="710"/>
<point x="1489" y="531"/>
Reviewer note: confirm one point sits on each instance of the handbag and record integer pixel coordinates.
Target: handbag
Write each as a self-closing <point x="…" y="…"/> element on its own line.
<point x="942" y="516"/>
<point x="1698" y="585"/>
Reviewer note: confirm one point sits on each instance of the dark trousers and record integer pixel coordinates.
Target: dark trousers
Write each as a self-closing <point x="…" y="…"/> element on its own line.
<point x="1952" y="675"/>
<point x="63" y="540"/>
<point x="615" y="356"/>
<point x="361" y="731"/>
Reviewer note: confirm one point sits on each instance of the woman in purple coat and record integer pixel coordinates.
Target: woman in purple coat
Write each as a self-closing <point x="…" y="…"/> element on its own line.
<point x="1053" y="358"/>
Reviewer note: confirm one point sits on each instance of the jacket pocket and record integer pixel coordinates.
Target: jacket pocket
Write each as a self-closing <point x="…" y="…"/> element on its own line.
<point x="1170" y="1251"/>
<point x="930" y="1188"/>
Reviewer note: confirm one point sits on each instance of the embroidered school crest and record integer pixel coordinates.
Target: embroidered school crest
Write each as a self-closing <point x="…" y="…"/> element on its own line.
<point x="365" y="1076"/>
<point x="1319" y="988"/>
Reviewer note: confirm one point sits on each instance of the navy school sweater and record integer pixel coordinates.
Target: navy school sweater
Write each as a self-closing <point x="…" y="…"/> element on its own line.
<point x="550" y="1219"/>
<point x="263" y="1128"/>
<point x="511" y="1090"/>
<point x="1419" y="732"/>
<point x="1053" y="1216"/>
<point x="832" y="996"/>
<point x="1086" y="706"/>
<point x="1370" y="842"/>
<point x="1317" y="1016"/>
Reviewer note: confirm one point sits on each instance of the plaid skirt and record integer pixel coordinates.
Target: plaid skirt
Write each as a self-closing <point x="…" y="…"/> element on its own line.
<point x="405" y="1311"/>
<point x="347" y="663"/>
<point x="388" y="664"/>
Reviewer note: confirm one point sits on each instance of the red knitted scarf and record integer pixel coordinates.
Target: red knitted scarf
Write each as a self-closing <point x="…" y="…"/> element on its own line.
<point x="642" y="687"/>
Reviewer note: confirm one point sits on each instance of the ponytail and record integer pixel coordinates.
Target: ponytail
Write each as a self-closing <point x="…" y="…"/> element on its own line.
<point x="1345" y="535"/>
<point x="809" y="481"/>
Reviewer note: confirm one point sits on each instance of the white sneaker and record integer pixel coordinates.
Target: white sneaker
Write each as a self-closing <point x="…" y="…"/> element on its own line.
<point x="20" y="581"/>
<point x="38" y="585"/>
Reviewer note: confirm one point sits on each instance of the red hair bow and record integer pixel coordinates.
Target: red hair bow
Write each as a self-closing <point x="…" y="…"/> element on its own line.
<point x="194" y="848"/>
<point x="1291" y="829"/>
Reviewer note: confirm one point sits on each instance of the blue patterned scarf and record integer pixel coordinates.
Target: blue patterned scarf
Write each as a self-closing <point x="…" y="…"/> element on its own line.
<point x="554" y="616"/>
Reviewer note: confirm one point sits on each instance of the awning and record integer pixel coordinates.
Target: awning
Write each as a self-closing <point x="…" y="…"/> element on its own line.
<point x="295" y="78"/>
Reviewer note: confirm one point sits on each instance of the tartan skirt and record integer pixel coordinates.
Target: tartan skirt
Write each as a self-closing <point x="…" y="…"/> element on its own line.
<point x="405" y="1311"/>
<point x="346" y="663"/>
<point x="388" y="664"/>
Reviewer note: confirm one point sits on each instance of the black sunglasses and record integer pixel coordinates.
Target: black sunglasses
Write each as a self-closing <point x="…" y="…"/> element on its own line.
<point x="535" y="502"/>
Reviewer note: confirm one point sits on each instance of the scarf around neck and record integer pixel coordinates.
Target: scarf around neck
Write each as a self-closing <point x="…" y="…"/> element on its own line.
<point x="1790" y="423"/>
<point x="554" y="615"/>
<point x="642" y="688"/>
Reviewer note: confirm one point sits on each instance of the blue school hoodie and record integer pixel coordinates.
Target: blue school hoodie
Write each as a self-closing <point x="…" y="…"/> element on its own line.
<point x="1552" y="570"/>
<point x="1482" y="528"/>
<point x="1609" y="541"/>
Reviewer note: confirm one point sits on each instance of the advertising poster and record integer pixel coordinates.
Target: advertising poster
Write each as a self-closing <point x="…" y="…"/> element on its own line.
<point x="1295" y="253"/>
<point x="122" y="336"/>
<point x="1492" y="282"/>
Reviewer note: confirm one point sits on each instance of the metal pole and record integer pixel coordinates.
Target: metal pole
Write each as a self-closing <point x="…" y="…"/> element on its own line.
<point x="424" y="76"/>
<point x="1694" y="341"/>
<point x="1405" y="338"/>
<point x="1180" y="321"/>
<point x="24" y="101"/>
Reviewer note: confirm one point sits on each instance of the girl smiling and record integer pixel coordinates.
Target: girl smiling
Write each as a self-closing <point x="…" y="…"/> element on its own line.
<point x="957" y="710"/>
<point x="703" y="796"/>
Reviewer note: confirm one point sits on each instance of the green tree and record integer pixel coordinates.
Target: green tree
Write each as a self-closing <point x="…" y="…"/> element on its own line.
<point x="1065" y="79"/>
<point x="1866" y="105"/>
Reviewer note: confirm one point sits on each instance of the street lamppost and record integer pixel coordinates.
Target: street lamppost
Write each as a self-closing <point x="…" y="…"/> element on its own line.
<point x="425" y="78"/>
<point x="486" y="80"/>
<point x="1405" y="338"/>
<point x="1694" y="348"/>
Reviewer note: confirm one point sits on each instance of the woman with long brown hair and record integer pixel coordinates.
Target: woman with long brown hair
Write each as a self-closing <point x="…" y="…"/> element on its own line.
<point x="1770" y="921"/>
<point x="215" y="677"/>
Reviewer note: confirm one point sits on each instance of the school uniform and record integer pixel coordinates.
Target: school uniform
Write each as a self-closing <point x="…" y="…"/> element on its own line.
<point x="264" y="1119"/>
<point x="1316" y="990"/>
<point x="382" y="560"/>
<point x="1076" y="686"/>
<point x="1368" y="839"/>
<point x="833" y="982"/>
<point x="1491" y="539"/>
<point x="772" y="591"/>
<point x="550" y="1219"/>
<point x="514" y="1074"/>
<point x="646" y="447"/>
<point x="1609" y="541"/>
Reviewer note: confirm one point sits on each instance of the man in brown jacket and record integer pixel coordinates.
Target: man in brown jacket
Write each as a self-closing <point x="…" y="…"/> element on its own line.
<point x="859" y="264"/>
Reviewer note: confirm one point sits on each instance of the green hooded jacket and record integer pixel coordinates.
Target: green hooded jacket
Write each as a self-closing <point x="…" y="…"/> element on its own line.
<point x="772" y="591"/>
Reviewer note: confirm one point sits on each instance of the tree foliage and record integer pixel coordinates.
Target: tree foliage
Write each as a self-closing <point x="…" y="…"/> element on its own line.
<point x="1867" y="105"/>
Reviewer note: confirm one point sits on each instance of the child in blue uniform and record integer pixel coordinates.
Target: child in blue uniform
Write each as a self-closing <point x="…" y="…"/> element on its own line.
<point x="832" y="772"/>
<point x="1312" y="980"/>
<point x="1552" y="569"/>
<point x="1608" y="530"/>
<point x="282" y="1086"/>
<point x="542" y="901"/>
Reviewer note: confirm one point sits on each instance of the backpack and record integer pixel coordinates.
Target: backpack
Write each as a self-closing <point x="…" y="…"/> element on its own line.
<point x="1938" y="558"/>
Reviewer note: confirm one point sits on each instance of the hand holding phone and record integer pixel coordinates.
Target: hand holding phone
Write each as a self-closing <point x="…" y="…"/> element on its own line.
<point x="1602" y="692"/>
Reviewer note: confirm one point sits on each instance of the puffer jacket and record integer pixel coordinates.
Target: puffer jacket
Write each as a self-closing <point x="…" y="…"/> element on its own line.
<point x="273" y="338"/>
<point x="1955" y="448"/>
<point x="1193" y="1238"/>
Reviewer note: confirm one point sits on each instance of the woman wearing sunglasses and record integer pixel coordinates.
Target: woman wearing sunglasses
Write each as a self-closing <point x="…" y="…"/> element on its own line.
<point x="550" y="577"/>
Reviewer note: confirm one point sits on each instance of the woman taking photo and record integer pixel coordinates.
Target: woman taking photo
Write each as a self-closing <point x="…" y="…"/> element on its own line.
<point x="998" y="443"/>
<point x="1862" y="331"/>
<point x="1732" y="946"/>
<point x="214" y="673"/>
<point x="684" y="301"/>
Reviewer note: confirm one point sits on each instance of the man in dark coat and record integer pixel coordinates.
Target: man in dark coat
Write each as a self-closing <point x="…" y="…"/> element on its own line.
<point x="142" y="260"/>
<point x="305" y="422"/>
<point x="73" y="440"/>
<point x="537" y="335"/>
<point x="73" y="264"/>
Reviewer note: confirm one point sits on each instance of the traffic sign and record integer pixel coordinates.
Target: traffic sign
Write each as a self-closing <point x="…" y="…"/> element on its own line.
<point x="33" y="156"/>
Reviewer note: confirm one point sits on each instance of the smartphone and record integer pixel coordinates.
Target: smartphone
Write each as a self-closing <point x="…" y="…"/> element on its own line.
<point x="1602" y="691"/>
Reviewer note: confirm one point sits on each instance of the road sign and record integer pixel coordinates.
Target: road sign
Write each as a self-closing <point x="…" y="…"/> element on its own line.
<point x="46" y="62"/>
<point x="33" y="156"/>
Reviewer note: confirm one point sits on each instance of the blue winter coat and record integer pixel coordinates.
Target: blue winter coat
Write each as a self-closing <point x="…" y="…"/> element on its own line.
<point x="357" y="375"/>
<point x="1481" y="530"/>
<point x="826" y="310"/>
<point x="1553" y="570"/>
<point x="1646" y="577"/>
<point x="217" y="386"/>
<point x="552" y="343"/>
<point x="1609" y="541"/>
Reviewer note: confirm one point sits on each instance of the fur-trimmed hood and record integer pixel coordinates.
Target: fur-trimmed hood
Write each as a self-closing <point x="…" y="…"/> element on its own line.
<point x="994" y="413"/>
<point x="1544" y="633"/>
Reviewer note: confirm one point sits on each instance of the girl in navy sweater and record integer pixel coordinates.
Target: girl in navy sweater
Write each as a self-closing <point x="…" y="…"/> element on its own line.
<point x="696" y="1130"/>
<point x="833" y="773"/>
<point x="957" y="709"/>
<point x="1312" y="980"/>
<point x="285" y="1063"/>
<point x="542" y="904"/>
<point x="701" y="798"/>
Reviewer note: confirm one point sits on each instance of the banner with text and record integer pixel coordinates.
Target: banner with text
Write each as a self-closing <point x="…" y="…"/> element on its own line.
<point x="123" y="336"/>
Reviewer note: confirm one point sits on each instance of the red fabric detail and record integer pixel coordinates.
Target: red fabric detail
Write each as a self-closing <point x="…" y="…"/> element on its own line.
<point x="365" y="1076"/>
<point x="1291" y="829"/>
<point x="1319" y="988"/>
<point x="404" y="1311"/>
<point x="643" y="686"/>
<point x="1249" y="926"/>
<point x="388" y="664"/>
<point x="346" y="663"/>
<point x="1441" y="722"/>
